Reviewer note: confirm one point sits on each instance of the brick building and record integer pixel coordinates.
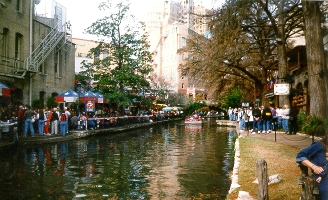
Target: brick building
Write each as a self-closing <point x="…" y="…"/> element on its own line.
<point x="37" y="55"/>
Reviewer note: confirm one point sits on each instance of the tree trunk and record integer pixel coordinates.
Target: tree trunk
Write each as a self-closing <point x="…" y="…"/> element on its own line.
<point x="282" y="62"/>
<point x="315" y="59"/>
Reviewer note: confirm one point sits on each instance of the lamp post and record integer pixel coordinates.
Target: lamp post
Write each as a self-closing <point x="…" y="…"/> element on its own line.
<point x="78" y="88"/>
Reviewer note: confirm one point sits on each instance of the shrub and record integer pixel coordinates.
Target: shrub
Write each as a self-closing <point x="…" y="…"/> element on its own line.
<point x="301" y="118"/>
<point x="314" y="125"/>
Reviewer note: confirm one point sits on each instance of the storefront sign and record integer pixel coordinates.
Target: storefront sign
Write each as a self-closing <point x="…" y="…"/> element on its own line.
<point x="281" y="89"/>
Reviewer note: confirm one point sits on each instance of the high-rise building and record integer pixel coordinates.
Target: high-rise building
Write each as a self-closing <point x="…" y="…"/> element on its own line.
<point x="169" y="25"/>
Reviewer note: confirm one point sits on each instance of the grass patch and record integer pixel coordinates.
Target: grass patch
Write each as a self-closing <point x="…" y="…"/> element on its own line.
<point x="280" y="160"/>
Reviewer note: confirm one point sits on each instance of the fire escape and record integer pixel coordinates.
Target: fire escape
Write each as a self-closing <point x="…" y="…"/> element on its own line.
<point x="58" y="36"/>
<point x="46" y="46"/>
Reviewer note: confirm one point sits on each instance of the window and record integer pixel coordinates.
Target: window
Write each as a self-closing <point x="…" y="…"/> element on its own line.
<point x="57" y="64"/>
<point x="105" y="54"/>
<point x="183" y="56"/>
<point x="19" y="6"/>
<point x="18" y="49"/>
<point x="183" y="42"/>
<point x="182" y="77"/>
<point x="95" y="57"/>
<point x="182" y="85"/>
<point x="42" y="95"/>
<point x="5" y="44"/>
<point x="42" y="68"/>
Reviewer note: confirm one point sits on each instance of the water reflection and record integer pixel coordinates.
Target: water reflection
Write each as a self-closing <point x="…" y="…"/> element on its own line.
<point x="171" y="161"/>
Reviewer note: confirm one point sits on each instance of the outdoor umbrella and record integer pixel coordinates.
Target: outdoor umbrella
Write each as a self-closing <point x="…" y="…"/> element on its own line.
<point x="5" y="91"/>
<point x="68" y="96"/>
<point x="88" y="95"/>
<point x="100" y="98"/>
<point x="167" y="109"/>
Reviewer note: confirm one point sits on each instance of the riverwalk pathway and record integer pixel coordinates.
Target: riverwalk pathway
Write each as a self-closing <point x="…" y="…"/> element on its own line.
<point x="78" y="134"/>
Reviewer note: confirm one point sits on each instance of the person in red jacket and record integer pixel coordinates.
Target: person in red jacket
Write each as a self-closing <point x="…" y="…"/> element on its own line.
<point x="20" y="118"/>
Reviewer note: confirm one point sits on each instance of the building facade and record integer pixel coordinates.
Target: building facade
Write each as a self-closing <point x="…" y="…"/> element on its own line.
<point x="169" y="25"/>
<point x="165" y="43"/>
<point x="37" y="56"/>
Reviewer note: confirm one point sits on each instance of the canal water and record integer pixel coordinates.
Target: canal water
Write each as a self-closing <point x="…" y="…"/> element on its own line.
<point x="169" y="161"/>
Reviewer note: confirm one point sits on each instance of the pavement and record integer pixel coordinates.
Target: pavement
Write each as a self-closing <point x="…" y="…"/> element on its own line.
<point x="298" y="140"/>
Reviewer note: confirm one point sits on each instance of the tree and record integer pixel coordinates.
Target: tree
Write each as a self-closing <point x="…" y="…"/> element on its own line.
<point x="126" y="62"/>
<point x="243" y="46"/>
<point x="232" y="99"/>
<point x="317" y="71"/>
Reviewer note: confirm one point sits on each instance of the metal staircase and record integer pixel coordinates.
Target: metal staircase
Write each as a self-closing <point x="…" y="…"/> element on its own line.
<point x="46" y="46"/>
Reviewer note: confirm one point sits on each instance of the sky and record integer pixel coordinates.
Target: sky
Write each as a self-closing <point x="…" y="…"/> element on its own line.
<point x="82" y="13"/>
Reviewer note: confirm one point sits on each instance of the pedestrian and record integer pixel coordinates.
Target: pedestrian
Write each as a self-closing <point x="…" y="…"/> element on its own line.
<point x="266" y="120"/>
<point x="315" y="157"/>
<point x="256" y="112"/>
<point x="279" y="113"/>
<point x="230" y="111"/>
<point x="241" y="119"/>
<point x="41" y="116"/>
<point x="246" y="118"/>
<point x="293" y="119"/>
<point x="29" y="117"/>
<point x="63" y="124"/>
<point x="54" y="121"/>
<point x="274" y="119"/>
<point x="20" y="120"/>
<point x="47" y="123"/>
<point x="68" y="116"/>
<point x="250" y="119"/>
<point x="74" y="121"/>
<point x="285" y="118"/>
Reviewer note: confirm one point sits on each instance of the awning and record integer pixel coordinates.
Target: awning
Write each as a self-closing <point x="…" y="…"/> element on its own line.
<point x="269" y="95"/>
<point x="4" y="91"/>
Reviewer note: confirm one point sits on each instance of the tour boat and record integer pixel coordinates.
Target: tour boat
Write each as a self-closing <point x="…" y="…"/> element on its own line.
<point x="195" y="119"/>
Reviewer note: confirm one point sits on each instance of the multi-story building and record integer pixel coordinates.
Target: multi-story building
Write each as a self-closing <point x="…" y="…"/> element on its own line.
<point x="165" y="43"/>
<point x="201" y="20"/>
<point x="37" y="56"/>
<point x="169" y="25"/>
<point x="162" y="13"/>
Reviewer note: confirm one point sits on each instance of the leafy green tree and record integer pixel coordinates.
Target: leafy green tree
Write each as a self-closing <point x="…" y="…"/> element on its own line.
<point x="51" y="102"/>
<point x="37" y="103"/>
<point x="233" y="98"/>
<point x="122" y="61"/>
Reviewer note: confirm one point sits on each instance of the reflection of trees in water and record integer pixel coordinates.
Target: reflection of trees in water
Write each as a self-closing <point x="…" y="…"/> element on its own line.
<point x="162" y="161"/>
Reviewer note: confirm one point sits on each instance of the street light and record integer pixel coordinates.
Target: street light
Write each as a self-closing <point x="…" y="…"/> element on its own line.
<point x="78" y="88"/>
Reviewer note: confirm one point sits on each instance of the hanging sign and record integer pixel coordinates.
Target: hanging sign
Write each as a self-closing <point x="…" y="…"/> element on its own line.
<point x="281" y="89"/>
<point x="89" y="106"/>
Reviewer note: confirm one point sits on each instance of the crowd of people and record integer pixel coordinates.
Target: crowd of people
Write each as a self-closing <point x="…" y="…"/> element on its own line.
<point x="46" y="122"/>
<point x="264" y="119"/>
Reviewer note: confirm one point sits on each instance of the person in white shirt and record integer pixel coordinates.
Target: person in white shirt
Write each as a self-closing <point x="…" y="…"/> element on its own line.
<point x="285" y="118"/>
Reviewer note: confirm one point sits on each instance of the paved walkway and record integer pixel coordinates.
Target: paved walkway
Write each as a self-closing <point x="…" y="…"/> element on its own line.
<point x="299" y="140"/>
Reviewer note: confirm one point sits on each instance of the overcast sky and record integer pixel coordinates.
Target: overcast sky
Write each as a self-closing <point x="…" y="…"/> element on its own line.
<point x="82" y="13"/>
